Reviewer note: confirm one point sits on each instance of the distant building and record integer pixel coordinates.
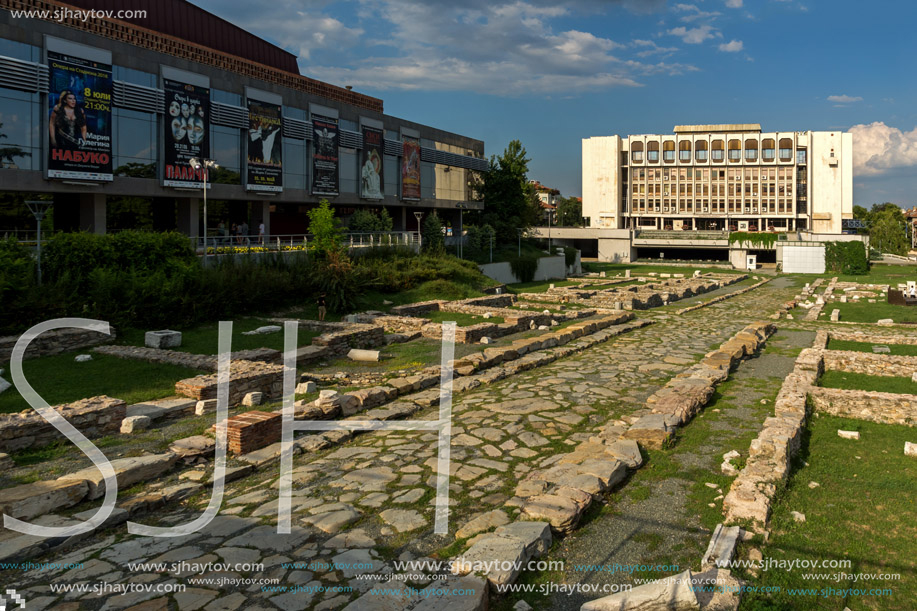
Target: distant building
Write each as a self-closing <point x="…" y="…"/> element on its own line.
<point x="548" y="198"/>
<point x="720" y="177"/>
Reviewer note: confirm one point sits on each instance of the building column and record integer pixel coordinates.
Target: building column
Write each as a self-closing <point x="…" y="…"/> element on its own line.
<point x="92" y="213"/>
<point x="189" y="216"/>
<point x="266" y="217"/>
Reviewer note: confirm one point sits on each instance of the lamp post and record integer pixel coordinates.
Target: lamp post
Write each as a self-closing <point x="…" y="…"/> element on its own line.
<point x="39" y="208"/>
<point x="461" y="233"/>
<point x="418" y="214"/>
<point x="200" y="163"/>
<point x="519" y="233"/>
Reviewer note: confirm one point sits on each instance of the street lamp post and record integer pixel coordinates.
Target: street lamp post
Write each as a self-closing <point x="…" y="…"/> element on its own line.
<point x="418" y="214"/>
<point x="200" y="163"/>
<point x="39" y="208"/>
<point x="461" y="232"/>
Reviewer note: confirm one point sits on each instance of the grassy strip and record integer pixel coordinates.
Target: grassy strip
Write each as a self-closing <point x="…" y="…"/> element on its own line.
<point x="862" y="510"/>
<point x="846" y="380"/>
<point x="872" y="312"/>
<point x="59" y="379"/>
<point x="204" y="339"/>
<point x="463" y="320"/>
<point x="894" y="349"/>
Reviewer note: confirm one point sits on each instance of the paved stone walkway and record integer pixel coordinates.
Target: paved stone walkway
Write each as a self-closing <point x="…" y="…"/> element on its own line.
<point x="368" y="502"/>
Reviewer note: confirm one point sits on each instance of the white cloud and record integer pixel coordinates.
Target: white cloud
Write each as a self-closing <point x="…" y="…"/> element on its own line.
<point x="694" y="36"/>
<point x="878" y="148"/>
<point x="844" y="99"/>
<point x="733" y="46"/>
<point x="694" y="13"/>
<point x="734" y="3"/>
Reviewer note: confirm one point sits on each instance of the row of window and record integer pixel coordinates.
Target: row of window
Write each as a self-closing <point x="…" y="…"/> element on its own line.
<point x="693" y="206"/>
<point x="750" y="189"/>
<point x="704" y="174"/>
<point x="718" y="152"/>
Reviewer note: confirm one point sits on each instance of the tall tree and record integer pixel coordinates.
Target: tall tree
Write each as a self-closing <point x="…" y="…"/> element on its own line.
<point x="569" y="212"/>
<point x="888" y="229"/>
<point x="509" y="200"/>
<point x="9" y="153"/>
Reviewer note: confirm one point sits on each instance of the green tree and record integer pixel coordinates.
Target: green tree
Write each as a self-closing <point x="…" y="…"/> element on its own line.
<point x="327" y="236"/>
<point x="569" y="212"/>
<point x="434" y="242"/>
<point x="509" y="200"/>
<point x="365" y="221"/>
<point x="888" y="229"/>
<point x="9" y="153"/>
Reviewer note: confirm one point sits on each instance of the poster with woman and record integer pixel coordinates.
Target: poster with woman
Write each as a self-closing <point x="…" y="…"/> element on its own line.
<point x="186" y="127"/>
<point x="265" y="147"/>
<point x="79" y="119"/>
<point x="371" y="174"/>
<point x="410" y="169"/>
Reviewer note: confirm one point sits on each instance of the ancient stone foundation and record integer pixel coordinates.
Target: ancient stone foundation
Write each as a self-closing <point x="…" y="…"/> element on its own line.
<point x="94" y="417"/>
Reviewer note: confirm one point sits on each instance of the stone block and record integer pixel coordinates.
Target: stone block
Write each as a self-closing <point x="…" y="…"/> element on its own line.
<point x="562" y="512"/>
<point x="504" y="553"/>
<point x="128" y="471"/>
<point x="206" y="406"/>
<point x="369" y="356"/>
<point x="6" y="462"/>
<point x="133" y="424"/>
<point x="162" y="339"/>
<point x="304" y="388"/>
<point x="910" y="449"/>
<point x="252" y="431"/>
<point x="193" y="447"/>
<point x="848" y="434"/>
<point x="673" y="593"/>
<point x="252" y="399"/>
<point x="653" y="430"/>
<point x="39" y="498"/>
<point x="722" y="546"/>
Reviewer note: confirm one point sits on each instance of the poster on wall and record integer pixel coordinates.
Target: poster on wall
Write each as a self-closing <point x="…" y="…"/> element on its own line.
<point x="372" y="175"/>
<point x="79" y="124"/>
<point x="410" y="169"/>
<point x="324" y="155"/>
<point x="265" y="147"/>
<point x="186" y="133"/>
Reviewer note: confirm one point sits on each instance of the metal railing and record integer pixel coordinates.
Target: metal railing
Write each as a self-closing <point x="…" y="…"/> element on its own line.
<point x="217" y="243"/>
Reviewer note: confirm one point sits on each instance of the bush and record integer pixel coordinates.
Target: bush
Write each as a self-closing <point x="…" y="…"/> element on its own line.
<point x="325" y="229"/>
<point x="77" y="254"/>
<point x="367" y="221"/>
<point x="524" y="267"/>
<point x="569" y="255"/>
<point x="846" y="258"/>
<point x="434" y="241"/>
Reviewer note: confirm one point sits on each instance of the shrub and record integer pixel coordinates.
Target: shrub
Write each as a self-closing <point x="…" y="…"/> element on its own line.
<point x="325" y="229"/>
<point x="365" y="221"/>
<point x="524" y="267"/>
<point x="434" y="242"/>
<point x="341" y="283"/>
<point x="569" y="255"/>
<point x="846" y="257"/>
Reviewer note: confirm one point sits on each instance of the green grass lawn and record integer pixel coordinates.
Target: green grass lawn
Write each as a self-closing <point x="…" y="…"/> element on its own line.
<point x="878" y="274"/>
<point x="872" y="312"/>
<point x="862" y="510"/>
<point x="59" y="379"/>
<point x="204" y="339"/>
<point x="611" y="269"/>
<point x="860" y="381"/>
<point x="463" y="320"/>
<point x="894" y="349"/>
<point x="540" y="286"/>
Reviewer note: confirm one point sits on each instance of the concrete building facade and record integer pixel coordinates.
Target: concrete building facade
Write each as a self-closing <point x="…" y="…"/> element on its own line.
<point x="719" y="178"/>
<point x="130" y="77"/>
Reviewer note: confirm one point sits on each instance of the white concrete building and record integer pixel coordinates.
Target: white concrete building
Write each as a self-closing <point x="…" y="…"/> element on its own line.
<point x="720" y="177"/>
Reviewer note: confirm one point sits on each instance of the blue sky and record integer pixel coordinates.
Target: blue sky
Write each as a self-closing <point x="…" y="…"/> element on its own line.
<point x="550" y="74"/>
